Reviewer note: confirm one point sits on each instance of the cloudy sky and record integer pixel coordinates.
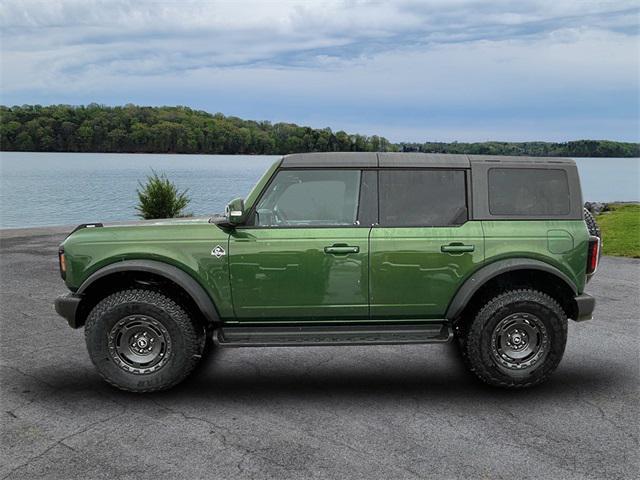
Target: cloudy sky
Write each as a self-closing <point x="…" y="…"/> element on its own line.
<point x="407" y="69"/>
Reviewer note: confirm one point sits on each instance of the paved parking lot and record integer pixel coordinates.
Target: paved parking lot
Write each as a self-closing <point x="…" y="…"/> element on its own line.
<point x="351" y="412"/>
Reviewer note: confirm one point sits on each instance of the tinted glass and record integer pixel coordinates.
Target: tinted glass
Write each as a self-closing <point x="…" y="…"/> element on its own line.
<point x="310" y="198"/>
<point x="531" y="191"/>
<point x="422" y="197"/>
<point x="368" y="208"/>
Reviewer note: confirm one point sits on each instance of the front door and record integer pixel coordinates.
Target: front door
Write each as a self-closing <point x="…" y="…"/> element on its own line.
<point x="425" y="246"/>
<point x="304" y="255"/>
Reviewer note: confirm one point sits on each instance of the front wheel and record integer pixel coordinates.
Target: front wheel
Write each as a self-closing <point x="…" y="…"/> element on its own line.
<point x="142" y="340"/>
<point x="516" y="340"/>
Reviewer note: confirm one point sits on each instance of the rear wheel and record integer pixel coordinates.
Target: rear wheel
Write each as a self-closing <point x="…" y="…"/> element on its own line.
<point x="516" y="340"/>
<point x="142" y="340"/>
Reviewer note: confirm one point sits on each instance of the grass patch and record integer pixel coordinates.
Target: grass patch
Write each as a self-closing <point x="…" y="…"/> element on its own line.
<point x="621" y="230"/>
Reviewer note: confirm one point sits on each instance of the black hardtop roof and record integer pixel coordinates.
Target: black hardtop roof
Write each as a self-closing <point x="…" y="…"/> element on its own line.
<point x="405" y="159"/>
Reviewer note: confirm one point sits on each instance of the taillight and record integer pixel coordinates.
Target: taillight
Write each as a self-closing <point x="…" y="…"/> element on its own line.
<point x="63" y="263"/>
<point x="594" y="255"/>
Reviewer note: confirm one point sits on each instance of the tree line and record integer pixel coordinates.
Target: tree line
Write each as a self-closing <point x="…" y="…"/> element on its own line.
<point x="136" y="129"/>
<point x="576" y="148"/>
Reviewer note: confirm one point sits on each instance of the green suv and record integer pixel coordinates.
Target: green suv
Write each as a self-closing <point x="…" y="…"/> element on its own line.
<point x="345" y="249"/>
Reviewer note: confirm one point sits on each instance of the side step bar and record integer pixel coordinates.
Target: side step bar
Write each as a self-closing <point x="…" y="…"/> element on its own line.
<point x="314" y="335"/>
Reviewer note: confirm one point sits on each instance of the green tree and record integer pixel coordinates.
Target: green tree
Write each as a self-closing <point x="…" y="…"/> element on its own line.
<point x="132" y="128"/>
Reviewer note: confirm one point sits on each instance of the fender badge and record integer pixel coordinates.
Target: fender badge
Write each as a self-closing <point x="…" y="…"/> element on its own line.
<point x="218" y="251"/>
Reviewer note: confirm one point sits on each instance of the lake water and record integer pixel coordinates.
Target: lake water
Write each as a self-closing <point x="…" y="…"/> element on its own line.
<point x="41" y="189"/>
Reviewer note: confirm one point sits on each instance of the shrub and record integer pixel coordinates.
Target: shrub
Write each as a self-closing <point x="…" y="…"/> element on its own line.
<point x="160" y="198"/>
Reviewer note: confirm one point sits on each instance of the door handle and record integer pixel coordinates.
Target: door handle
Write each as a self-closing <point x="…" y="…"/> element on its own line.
<point x="457" y="247"/>
<point x="341" y="249"/>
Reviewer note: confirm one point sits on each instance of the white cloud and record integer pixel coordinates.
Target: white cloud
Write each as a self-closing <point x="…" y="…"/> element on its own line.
<point x="419" y="57"/>
<point x="207" y="33"/>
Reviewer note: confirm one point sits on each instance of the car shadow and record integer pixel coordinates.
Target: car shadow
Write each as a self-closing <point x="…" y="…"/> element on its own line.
<point x="449" y="379"/>
<point x="222" y="378"/>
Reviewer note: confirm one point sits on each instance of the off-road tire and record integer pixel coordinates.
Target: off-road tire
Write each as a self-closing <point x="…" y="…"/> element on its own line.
<point x="592" y="226"/>
<point x="478" y="348"/>
<point x="185" y="340"/>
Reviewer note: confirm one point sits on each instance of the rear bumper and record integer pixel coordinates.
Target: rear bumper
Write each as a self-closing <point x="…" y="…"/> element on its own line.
<point x="585" y="305"/>
<point x="67" y="306"/>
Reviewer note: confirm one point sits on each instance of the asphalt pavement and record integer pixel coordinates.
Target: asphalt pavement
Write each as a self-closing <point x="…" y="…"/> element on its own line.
<point x="388" y="412"/>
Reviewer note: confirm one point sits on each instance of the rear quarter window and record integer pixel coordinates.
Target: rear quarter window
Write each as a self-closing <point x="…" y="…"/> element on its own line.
<point x="528" y="191"/>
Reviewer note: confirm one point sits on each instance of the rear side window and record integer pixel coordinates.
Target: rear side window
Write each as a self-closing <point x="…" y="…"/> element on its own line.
<point x="422" y="197"/>
<point x="530" y="191"/>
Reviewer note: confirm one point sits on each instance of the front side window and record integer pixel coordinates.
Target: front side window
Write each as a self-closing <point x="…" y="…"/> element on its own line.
<point x="430" y="198"/>
<point x="310" y="198"/>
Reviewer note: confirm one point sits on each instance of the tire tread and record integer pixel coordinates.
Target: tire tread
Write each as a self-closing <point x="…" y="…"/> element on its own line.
<point x="472" y="344"/>
<point x="591" y="223"/>
<point x="158" y="299"/>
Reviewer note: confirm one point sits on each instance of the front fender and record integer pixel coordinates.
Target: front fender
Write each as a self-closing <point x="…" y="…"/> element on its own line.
<point x="170" y="272"/>
<point x="186" y="248"/>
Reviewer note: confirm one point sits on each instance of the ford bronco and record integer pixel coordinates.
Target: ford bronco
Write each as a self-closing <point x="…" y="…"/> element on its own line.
<point x="346" y="249"/>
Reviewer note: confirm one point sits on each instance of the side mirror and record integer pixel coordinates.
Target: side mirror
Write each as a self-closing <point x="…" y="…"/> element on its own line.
<point x="235" y="212"/>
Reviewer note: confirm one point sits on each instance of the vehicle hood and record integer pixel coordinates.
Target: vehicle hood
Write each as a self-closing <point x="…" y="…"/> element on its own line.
<point x="145" y="230"/>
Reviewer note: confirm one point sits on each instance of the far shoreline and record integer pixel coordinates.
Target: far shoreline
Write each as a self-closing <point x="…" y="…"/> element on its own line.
<point x="189" y="154"/>
<point x="96" y="128"/>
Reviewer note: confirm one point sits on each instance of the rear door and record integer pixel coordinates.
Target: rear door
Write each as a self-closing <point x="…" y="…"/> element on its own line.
<point x="425" y="246"/>
<point x="305" y="256"/>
